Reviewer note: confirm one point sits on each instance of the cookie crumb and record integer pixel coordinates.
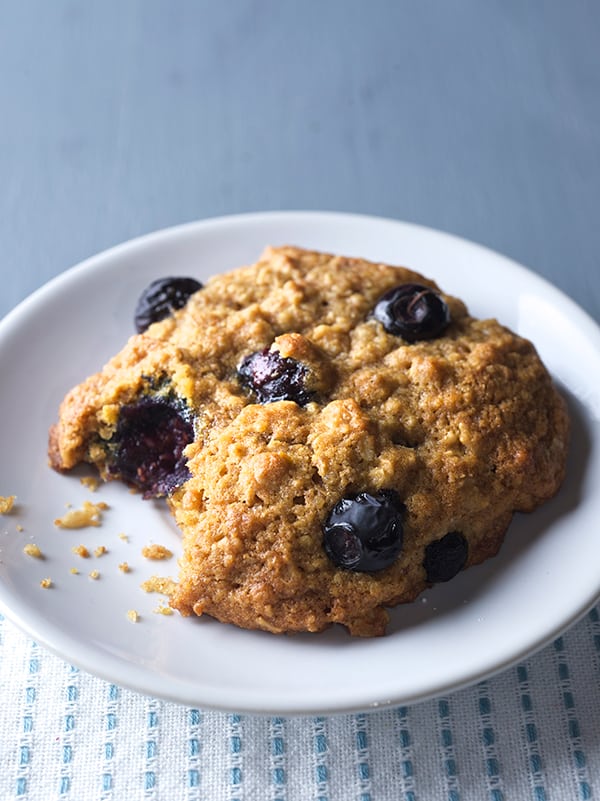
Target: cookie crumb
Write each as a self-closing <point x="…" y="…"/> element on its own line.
<point x="90" y="482"/>
<point x="133" y="615"/>
<point x="19" y="527"/>
<point x="123" y="537"/>
<point x="46" y="583"/>
<point x="94" y="575"/>
<point x="90" y="514"/>
<point x="81" y="550"/>
<point x="74" y="571"/>
<point x="6" y="503"/>
<point x="124" y="567"/>
<point x="100" y="550"/>
<point x="160" y="584"/>
<point x="163" y="610"/>
<point x="31" y="549"/>
<point x="156" y="552"/>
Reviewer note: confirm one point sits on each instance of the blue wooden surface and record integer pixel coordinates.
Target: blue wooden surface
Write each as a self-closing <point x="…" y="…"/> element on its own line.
<point x="479" y="118"/>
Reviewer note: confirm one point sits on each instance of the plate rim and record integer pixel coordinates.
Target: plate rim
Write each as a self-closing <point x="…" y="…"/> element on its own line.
<point x="54" y="286"/>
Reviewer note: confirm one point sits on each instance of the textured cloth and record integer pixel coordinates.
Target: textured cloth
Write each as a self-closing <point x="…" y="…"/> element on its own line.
<point x="532" y="732"/>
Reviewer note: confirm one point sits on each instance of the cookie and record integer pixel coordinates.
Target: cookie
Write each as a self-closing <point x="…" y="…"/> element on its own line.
<point x="332" y="436"/>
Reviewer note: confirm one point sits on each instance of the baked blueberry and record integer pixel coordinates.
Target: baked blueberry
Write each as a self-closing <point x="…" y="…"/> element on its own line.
<point x="149" y="441"/>
<point x="161" y="298"/>
<point x="273" y="377"/>
<point x="446" y="557"/>
<point x="364" y="532"/>
<point x="412" y="311"/>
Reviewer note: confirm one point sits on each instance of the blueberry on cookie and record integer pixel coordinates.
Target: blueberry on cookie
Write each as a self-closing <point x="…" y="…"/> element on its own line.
<point x="364" y="531"/>
<point x="161" y="298"/>
<point x="273" y="377"/>
<point x="413" y="311"/>
<point x="149" y="440"/>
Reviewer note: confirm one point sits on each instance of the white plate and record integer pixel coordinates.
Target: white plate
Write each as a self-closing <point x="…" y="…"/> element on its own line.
<point x="545" y="577"/>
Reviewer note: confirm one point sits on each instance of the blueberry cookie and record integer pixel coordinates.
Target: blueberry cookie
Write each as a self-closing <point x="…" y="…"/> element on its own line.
<point x="332" y="436"/>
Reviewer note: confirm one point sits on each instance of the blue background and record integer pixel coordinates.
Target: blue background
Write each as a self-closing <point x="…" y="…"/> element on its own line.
<point x="479" y="118"/>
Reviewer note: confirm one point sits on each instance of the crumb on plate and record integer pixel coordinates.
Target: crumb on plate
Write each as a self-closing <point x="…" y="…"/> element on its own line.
<point x="81" y="550"/>
<point x="90" y="514"/>
<point x="6" y="503"/>
<point x="161" y="584"/>
<point x="46" y="583"/>
<point x="133" y="615"/>
<point x="156" y="552"/>
<point x="163" y="610"/>
<point x="90" y="482"/>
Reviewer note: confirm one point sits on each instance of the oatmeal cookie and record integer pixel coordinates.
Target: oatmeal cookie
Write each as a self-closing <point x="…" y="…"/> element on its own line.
<point x="332" y="436"/>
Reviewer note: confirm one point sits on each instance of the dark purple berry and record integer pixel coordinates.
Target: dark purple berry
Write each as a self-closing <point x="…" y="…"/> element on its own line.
<point x="150" y="438"/>
<point x="446" y="557"/>
<point x="364" y="532"/>
<point x="161" y="298"/>
<point x="273" y="377"/>
<point x="412" y="311"/>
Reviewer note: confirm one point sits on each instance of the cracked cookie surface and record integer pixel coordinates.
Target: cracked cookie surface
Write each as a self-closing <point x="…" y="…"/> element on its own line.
<point x="287" y="396"/>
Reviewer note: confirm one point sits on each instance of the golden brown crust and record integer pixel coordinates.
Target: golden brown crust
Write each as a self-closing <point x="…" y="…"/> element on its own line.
<point x="467" y="428"/>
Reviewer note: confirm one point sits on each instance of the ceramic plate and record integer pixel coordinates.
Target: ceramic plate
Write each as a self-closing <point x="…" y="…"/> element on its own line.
<point x="545" y="577"/>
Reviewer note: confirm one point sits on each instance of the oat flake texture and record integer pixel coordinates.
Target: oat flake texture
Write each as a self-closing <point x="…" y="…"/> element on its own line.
<point x="466" y="428"/>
